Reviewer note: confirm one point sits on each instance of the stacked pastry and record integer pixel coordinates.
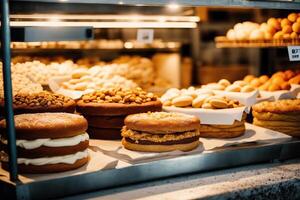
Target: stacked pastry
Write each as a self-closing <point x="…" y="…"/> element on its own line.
<point x="48" y="142"/>
<point x="40" y="102"/>
<point x="282" y="116"/>
<point x="106" y="110"/>
<point x="224" y="131"/>
<point x="161" y="132"/>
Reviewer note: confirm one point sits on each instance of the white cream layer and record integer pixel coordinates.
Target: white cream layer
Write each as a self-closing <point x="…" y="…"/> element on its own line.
<point x="67" y="159"/>
<point x="48" y="142"/>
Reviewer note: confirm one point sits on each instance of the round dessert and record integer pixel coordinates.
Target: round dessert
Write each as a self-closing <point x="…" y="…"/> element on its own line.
<point x="161" y="132"/>
<point x="281" y="115"/>
<point x="40" y="102"/>
<point x="48" y="142"/>
<point x="118" y="102"/>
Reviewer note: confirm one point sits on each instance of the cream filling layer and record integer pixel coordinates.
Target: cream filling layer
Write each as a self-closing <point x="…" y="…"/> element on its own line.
<point x="67" y="159"/>
<point x="48" y="142"/>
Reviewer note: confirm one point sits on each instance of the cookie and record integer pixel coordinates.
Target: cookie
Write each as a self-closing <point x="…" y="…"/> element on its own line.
<point x="263" y="123"/>
<point x="162" y="122"/>
<point x="47" y="125"/>
<point x="223" y="134"/>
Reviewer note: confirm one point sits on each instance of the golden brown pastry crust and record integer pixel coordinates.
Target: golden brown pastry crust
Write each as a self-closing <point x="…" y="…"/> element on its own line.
<point x="162" y="122"/>
<point x="47" y="125"/>
<point x="160" y="148"/>
<point x="116" y="109"/>
<point x="280" y="106"/>
<point x="268" y="116"/>
<point x="50" y="168"/>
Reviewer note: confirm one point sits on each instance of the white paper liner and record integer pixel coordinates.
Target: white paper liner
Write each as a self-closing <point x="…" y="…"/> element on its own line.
<point x="54" y="85"/>
<point x="253" y="134"/>
<point x="246" y="98"/>
<point x="212" y="116"/>
<point x="296" y="90"/>
<point x="282" y="94"/>
<point x="98" y="161"/>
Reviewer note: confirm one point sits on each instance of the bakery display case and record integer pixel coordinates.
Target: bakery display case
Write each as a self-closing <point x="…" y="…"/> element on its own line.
<point x="98" y="95"/>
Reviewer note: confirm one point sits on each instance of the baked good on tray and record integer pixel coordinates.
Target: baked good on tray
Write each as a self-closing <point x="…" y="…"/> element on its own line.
<point x="281" y="115"/>
<point x="48" y="142"/>
<point x="224" y="131"/>
<point x="161" y="132"/>
<point x="40" y="102"/>
<point x="106" y="110"/>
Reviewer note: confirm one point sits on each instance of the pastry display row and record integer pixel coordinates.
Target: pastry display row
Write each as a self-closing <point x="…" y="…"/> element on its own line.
<point x="126" y="72"/>
<point x="94" y="44"/>
<point x="45" y="129"/>
<point x="273" y="32"/>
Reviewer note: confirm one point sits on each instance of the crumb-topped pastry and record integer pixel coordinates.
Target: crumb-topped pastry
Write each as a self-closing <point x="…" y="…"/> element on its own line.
<point x="281" y="115"/>
<point x="40" y="102"/>
<point x="161" y="132"/>
<point x="118" y="102"/>
<point x="280" y="106"/>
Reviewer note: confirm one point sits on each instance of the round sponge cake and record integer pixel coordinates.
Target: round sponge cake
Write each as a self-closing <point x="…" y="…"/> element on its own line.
<point x="48" y="142"/>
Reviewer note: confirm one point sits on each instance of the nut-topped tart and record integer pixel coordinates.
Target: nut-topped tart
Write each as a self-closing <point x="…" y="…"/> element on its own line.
<point x="106" y="110"/>
<point x="40" y="102"/>
<point x="118" y="101"/>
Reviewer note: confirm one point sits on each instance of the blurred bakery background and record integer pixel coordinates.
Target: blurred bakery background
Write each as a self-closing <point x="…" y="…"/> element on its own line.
<point x="184" y="50"/>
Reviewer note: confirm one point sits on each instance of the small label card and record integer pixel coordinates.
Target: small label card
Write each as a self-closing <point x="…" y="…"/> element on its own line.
<point x="294" y="53"/>
<point x="145" y="35"/>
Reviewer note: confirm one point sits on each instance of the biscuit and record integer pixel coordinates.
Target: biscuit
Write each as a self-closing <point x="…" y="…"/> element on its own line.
<point x="210" y="128"/>
<point x="268" y="116"/>
<point x="104" y="133"/>
<point x="286" y="106"/>
<point x="49" y="168"/>
<point x="182" y="101"/>
<point x="105" y="121"/>
<point x="116" y="109"/>
<point x="160" y="148"/>
<point x="47" y="125"/>
<point x="162" y="122"/>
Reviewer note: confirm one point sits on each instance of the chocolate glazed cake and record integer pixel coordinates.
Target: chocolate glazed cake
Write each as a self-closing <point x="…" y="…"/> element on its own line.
<point x="161" y="132"/>
<point x="48" y="142"/>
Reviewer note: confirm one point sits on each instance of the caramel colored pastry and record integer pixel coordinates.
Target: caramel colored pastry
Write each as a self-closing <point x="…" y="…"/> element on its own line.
<point x="48" y="142"/>
<point x="286" y="106"/>
<point x="281" y="115"/>
<point x="161" y="132"/>
<point x="117" y="102"/>
<point x="40" y="102"/>
<point x="105" y="121"/>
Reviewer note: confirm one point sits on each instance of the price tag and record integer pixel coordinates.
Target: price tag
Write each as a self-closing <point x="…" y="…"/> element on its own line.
<point x="294" y="53"/>
<point x="145" y="35"/>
